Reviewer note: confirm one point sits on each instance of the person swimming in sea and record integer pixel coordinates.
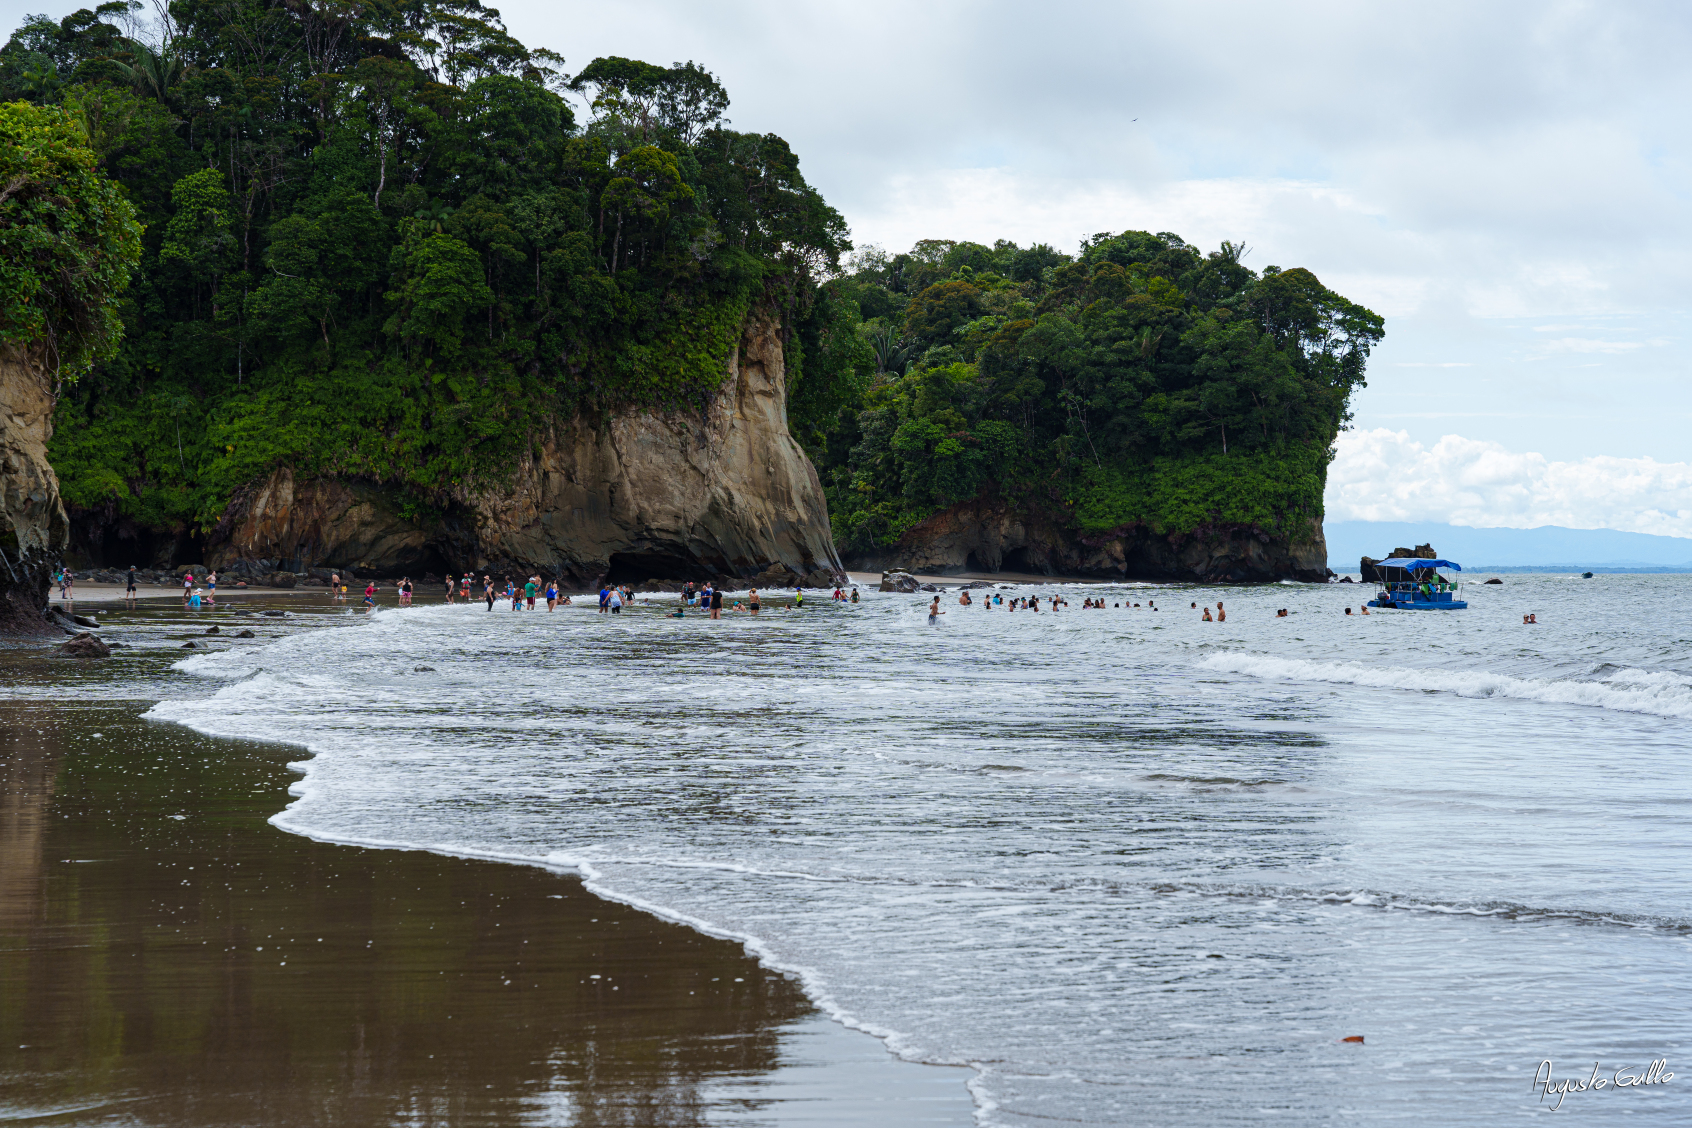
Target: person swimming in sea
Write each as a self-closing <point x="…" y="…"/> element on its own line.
<point x="1207" y="617"/>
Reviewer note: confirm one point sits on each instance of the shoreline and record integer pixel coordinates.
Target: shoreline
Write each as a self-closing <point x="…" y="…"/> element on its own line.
<point x="112" y="820"/>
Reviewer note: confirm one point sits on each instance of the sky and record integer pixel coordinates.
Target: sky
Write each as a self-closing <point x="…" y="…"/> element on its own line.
<point x="1506" y="183"/>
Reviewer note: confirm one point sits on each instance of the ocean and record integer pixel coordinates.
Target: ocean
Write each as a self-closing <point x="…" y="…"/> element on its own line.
<point x="1128" y="866"/>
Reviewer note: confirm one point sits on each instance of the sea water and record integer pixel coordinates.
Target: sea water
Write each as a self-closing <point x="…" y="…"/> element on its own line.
<point x="1130" y="866"/>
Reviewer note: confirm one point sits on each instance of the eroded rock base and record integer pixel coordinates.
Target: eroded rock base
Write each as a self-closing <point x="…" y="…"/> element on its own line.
<point x="990" y="537"/>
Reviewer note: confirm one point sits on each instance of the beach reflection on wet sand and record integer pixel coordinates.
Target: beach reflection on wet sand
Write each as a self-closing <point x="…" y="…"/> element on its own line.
<point x="167" y="957"/>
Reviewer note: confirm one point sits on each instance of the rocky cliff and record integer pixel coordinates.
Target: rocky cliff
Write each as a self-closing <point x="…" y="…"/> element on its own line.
<point x="33" y="528"/>
<point x="727" y="493"/>
<point x="990" y="536"/>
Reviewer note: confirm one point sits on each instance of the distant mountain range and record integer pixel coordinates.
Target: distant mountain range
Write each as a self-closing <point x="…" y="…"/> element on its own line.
<point x="1547" y="548"/>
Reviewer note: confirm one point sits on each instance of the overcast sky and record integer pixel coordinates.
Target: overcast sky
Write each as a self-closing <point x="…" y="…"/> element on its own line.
<point x="1506" y="183"/>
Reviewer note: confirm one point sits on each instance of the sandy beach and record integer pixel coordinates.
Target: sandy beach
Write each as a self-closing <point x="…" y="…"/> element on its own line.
<point x="169" y="957"/>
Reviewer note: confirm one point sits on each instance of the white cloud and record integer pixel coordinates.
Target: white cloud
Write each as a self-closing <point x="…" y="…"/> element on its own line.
<point x="1383" y="475"/>
<point x="1589" y="345"/>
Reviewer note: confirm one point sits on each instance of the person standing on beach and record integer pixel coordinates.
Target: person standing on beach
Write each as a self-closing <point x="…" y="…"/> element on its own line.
<point x="449" y="586"/>
<point x="211" y="586"/>
<point x="129" y="589"/>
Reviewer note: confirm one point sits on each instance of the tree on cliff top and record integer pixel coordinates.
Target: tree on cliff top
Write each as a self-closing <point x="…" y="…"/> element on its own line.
<point x="68" y="240"/>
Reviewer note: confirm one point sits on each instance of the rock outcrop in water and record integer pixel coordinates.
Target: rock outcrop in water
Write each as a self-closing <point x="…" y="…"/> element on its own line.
<point x="727" y="495"/>
<point x="33" y="528"/>
<point x="989" y="536"/>
<point x="1366" y="566"/>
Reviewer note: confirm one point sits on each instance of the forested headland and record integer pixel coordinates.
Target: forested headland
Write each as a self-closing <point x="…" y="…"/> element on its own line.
<point x="1139" y="383"/>
<point x="386" y="242"/>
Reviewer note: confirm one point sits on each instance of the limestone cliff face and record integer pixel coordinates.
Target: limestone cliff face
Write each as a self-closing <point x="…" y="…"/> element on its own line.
<point x="728" y="493"/>
<point x="33" y="528"/>
<point x="985" y="536"/>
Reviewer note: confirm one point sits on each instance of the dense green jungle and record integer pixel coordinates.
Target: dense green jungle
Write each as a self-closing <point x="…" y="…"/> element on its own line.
<point x="383" y="240"/>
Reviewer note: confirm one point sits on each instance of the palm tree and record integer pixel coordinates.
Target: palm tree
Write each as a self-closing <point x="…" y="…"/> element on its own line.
<point x="151" y="72"/>
<point x="892" y="354"/>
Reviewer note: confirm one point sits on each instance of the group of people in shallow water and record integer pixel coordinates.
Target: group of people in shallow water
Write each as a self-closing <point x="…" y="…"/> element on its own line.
<point x="996" y="601"/>
<point x="711" y="599"/>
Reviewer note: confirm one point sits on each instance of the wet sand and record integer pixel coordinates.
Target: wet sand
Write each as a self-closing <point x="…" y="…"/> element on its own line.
<point x="168" y="957"/>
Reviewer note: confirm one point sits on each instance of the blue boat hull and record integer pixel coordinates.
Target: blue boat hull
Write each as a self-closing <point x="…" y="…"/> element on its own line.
<point x="1420" y="605"/>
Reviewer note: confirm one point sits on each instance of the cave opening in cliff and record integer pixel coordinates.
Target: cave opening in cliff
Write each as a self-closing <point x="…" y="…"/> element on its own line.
<point x="1023" y="561"/>
<point x="99" y="539"/>
<point x="638" y="567"/>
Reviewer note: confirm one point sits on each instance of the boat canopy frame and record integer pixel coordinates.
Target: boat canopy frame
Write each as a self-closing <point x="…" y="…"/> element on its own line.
<point x="1417" y="564"/>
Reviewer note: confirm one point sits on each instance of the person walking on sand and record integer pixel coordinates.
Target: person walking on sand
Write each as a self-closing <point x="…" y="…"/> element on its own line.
<point x="211" y="587"/>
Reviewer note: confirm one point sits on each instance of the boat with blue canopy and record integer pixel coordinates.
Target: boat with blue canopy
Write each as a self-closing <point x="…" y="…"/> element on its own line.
<point x="1410" y="583"/>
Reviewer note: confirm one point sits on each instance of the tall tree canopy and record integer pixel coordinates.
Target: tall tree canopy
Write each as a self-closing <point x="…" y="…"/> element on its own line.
<point x="68" y="240"/>
<point x="380" y="240"/>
